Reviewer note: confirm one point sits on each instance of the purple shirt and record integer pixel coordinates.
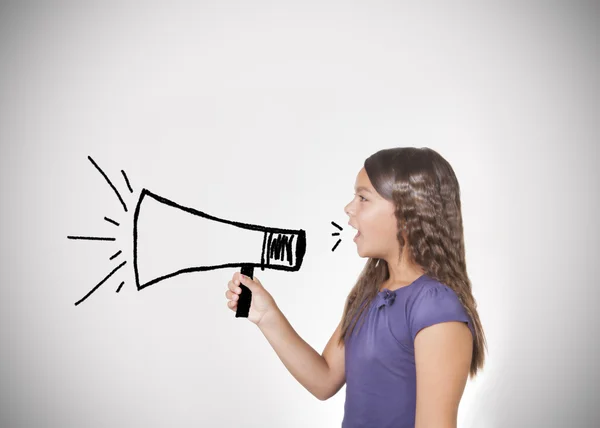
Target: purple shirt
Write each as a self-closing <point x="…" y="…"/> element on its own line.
<point x="380" y="359"/>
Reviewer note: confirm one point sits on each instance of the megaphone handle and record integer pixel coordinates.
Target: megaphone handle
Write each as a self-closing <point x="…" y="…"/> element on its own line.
<point x="243" y="306"/>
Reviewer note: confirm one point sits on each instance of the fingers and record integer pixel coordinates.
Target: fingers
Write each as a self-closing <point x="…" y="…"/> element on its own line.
<point x="234" y="285"/>
<point x="234" y="288"/>
<point x="232" y="293"/>
<point x="232" y="296"/>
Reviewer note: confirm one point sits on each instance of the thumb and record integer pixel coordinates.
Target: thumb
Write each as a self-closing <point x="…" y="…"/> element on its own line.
<point x="249" y="282"/>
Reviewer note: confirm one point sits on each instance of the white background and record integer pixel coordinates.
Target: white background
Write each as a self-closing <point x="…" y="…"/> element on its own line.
<point x="263" y="112"/>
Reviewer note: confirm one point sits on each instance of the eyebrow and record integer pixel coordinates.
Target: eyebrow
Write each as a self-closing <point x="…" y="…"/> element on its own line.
<point x="359" y="188"/>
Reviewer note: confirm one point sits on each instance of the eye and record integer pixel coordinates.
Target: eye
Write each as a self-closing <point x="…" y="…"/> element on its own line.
<point x="362" y="199"/>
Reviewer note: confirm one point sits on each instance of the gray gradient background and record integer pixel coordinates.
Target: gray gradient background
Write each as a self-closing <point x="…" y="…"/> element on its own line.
<point x="263" y="113"/>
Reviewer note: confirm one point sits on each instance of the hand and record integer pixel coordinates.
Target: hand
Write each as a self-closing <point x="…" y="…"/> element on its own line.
<point x="262" y="302"/>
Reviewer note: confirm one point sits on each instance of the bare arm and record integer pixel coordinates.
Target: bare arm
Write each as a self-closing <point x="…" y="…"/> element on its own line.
<point x="442" y="358"/>
<point x="335" y="357"/>
<point x="321" y="375"/>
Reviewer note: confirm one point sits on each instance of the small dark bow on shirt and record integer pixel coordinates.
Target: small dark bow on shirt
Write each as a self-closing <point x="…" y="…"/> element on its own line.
<point x="385" y="298"/>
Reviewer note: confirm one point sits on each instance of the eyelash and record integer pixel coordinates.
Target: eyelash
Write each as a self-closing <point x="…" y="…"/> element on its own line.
<point x="361" y="197"/>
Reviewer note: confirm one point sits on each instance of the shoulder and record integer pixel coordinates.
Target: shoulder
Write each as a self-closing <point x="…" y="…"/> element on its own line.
<point x="431" y="303"/>
<point x="431" y="287"/>
<point x="430" y="290"/>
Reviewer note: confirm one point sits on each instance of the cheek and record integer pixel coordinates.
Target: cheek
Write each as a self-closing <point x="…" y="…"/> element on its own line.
<point x="382" y="228"/>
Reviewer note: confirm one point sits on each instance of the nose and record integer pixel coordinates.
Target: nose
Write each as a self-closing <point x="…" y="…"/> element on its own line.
<point x="347" y="209"/>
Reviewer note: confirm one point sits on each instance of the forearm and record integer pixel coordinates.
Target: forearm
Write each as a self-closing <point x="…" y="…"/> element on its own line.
<point x="304" y="363"/>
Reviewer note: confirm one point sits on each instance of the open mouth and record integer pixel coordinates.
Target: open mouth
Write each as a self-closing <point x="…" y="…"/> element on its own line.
<point x="357" y="234"/>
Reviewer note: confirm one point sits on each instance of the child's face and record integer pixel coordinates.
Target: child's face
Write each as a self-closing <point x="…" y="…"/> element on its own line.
<point x="374" y="218"/>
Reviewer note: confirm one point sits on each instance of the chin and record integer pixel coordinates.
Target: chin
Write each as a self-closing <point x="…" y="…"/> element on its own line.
<point x="368" y="254"/>
<point x="364" y="254"/>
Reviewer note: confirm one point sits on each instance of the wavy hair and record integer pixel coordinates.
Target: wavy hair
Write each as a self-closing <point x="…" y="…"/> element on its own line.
<point x="426" y="195"/>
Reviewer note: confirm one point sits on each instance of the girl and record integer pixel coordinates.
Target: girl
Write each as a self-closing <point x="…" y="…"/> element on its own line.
<point x="407" y="363"/>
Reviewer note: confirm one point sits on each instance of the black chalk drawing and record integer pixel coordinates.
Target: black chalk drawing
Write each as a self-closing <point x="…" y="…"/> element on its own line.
<point x="100" y="283"/>
<point x="115" y="255"/>
<point x="110" y="182"/>
<point x="281" y="249"/>
<point x="110" y="220"/>
<point x="127" y="181"/>
<point x="92" y="238"/>
<point x="336" y="234"/>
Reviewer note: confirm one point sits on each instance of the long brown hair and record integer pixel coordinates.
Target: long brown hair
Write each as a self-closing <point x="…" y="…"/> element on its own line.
<point x="425" y="191"/>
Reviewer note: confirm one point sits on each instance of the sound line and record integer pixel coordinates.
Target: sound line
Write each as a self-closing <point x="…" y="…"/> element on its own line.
<point x="127" y="181"/>
<point x="119" y="289"/>
<point x="92" y="238"/>
<point x="101" y="282"/>
<point x="336" y="244"/>
<point x="115" y="255"/>
<point x="109" y="182"/>
<point x="110" y="220"/>
<point x="336" y="225"/>
<point x="335" y="234"/>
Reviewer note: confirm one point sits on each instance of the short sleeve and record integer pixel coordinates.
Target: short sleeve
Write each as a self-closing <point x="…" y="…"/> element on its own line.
<point x="435" y="305"/>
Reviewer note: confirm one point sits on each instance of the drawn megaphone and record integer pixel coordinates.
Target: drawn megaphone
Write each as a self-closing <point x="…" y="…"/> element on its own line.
<point x="170" y="239"/>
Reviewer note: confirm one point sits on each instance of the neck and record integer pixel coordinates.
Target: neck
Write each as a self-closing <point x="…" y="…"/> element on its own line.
<point x="402" y="272"/>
